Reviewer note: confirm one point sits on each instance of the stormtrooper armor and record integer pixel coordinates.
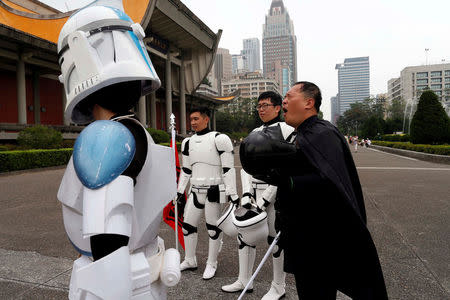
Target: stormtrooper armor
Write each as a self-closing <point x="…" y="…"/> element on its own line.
<point x="100" y="47"/>
<point x="257" y="193"/>
<point x="208" y="164"/>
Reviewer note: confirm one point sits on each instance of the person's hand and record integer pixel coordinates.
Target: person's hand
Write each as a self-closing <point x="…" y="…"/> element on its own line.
<point x="233" y="199"/>
<point x="278" y="221"/>
<point x="262" y="204"/>
<point x="247" y="200"/>
<point x="179" y="198"/>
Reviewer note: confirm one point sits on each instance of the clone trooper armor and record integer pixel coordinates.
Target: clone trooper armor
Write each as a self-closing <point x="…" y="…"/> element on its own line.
<point x="208" y="163"/>
<point x="258" y="193"/>
<point x="118" y="181"/>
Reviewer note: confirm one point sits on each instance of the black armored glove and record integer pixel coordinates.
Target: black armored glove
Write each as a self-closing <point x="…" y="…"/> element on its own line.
<point x="180" y="197"/>
<point x="266" y="155"/>
<point x="233" y="199"/>
<point x="247" y="200"/>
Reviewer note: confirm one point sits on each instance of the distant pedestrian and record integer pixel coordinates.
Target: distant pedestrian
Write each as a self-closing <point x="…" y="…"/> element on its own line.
<point x="355" y="142"/>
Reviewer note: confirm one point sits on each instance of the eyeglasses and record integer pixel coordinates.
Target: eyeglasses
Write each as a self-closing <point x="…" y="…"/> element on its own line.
<point x="263" y="106"/>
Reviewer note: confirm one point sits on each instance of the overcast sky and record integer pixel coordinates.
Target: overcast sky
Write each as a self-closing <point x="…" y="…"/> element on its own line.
<point x="393" y="33"/>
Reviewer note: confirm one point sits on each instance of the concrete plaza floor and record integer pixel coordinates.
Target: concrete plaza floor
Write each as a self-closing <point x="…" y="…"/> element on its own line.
<point x="408" y="208"/>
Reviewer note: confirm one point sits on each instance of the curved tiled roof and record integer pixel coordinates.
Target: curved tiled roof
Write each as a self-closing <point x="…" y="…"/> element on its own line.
<point x="47" y="27"/>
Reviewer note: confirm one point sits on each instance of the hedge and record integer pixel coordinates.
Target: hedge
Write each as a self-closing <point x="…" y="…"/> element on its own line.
<point x="167" y="144"/>
<point x="159" y="136"/>
<point x="432" y="149"/>
<point x="396" y="137"/>
<point x="30" y="159"/>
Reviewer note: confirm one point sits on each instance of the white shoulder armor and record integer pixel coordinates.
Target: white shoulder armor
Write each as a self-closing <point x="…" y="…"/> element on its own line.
<point x="223" y="143"/>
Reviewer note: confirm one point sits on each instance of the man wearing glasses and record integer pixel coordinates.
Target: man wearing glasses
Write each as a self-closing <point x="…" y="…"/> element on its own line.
<point x="258" y="193"/>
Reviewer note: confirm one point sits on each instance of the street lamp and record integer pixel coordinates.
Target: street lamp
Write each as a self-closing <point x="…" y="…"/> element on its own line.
<point x="426" y="56"/>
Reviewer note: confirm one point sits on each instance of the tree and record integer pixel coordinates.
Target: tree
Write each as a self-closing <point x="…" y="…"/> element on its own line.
<point x="206" y="82"/>
<point x="320" y="115"/>
<point x="430" y="124"/>
<point x="373" y="126"/>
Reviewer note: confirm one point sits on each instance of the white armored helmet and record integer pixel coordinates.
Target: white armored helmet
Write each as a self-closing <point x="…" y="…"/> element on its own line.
<point x="100" y="46"/>
<point x="251" y="225"/>
<point x="225" y="222"/>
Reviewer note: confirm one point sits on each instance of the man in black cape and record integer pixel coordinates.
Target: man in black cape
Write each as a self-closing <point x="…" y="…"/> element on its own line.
<point x="320" y="205"/>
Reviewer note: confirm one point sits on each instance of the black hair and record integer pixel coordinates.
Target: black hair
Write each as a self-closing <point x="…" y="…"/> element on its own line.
<point x="274" y="97"/>
<point x="311" y="90"/>
<point x="202" y="110"/>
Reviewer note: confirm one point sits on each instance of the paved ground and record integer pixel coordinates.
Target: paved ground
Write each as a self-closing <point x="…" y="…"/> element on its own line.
<point x="408" y="208"/>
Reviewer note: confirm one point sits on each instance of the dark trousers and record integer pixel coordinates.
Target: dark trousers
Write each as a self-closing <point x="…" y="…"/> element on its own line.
<point x="309" y="290"/>
<point x="317" y="290"/>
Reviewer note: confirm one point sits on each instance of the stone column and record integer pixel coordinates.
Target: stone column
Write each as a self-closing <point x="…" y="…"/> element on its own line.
<point x="21" y="92"/>
<point x="153" y="109"/>
<point x="36" y="98"/>
<point x="142" y="110"/>
<point x="182" y="120"/>
<point x="64" y="103"/>
<point x="168" y="79"/>
<point x="213" y="119"/>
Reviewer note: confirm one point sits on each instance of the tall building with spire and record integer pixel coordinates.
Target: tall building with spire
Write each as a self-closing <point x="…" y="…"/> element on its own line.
<point x="279" y="46"/>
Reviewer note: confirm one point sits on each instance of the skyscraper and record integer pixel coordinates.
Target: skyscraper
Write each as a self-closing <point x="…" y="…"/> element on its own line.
<point x="240" y="63"/>
<point x="353" y="82"/>
<point x="279" y="45"/>
<point x="222" y="66"/>
<point x="334" y="103"/>
<point x="252" y="53"/>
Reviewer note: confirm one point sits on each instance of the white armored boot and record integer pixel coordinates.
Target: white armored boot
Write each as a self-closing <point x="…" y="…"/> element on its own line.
<point x="277" y="289"/>
<point x="190" y="260"/>
<point x="246" y="261"/>
<point x="211" y="264"/>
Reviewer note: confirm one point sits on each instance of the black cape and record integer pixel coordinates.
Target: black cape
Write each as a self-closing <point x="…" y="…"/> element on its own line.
<point x="321" y="210"/>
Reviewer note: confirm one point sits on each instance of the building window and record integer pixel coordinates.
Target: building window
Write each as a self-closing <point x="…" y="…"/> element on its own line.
<point x="447" y="79"/>
<point x="447" y="85"/>
<point x="422" y="75"/>
<point x="421" y="87"/>
<point x="436" y="74"/>
<point x="422" y="81"/>
<point x="435" y="87"/>
<point x="434" y="80"/>
<point x="447" y="72"/>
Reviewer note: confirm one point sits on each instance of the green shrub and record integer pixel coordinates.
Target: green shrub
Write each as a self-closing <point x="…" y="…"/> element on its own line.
<point x="39" y="137"/>
<point x="167" y="145"/>
<point x="396" y="137"/>
<point x="432" y="149"/>
<point x="430" y="124"/>
<point x="68" y="143"/>
<point x="30" y="159"/>
<point x="3" y="148"/>
<point x="237" y="135"/>
<point x="159" y="136"/>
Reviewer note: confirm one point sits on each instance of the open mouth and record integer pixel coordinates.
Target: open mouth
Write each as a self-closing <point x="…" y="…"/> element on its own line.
<point x="284" y="110"/>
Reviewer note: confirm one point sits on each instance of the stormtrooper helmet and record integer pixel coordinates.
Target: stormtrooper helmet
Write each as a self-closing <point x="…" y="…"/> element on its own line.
<point x="101" y="50"/>
<point x="225" y="222"/>
<point x="251" y="225"/>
